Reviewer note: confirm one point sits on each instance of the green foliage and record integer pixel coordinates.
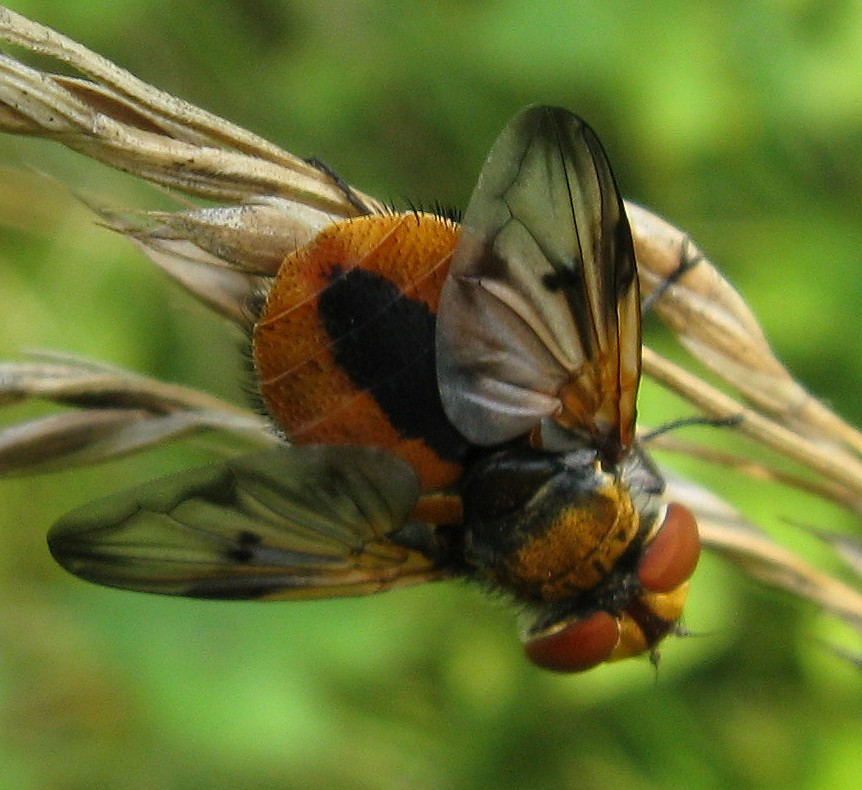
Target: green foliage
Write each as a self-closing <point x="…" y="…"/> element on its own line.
<point x="739" y="121"/>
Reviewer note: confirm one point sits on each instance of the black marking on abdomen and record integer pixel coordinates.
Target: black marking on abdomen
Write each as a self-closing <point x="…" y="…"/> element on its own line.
<point x="384" y="341"/>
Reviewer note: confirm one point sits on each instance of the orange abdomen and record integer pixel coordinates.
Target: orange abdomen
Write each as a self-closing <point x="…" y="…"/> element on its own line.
<point x="344" y="346"/>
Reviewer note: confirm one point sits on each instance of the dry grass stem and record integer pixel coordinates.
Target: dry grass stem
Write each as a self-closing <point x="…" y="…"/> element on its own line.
<point x="132" y="126"/>
<point x="715" y="324"/>
<point x="117" y="413"/>
<point x="275" y="202"/>
<point x="825" y="489"/>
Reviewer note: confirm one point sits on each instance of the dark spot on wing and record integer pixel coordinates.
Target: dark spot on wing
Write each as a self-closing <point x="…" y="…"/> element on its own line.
<point x="243" y="551"/>
<point x="564" y="279"/>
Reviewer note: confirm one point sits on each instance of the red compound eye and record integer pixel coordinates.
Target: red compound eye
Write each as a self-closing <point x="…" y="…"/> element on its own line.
<point x="671" y="557"/>
<point x="579" y="645"/>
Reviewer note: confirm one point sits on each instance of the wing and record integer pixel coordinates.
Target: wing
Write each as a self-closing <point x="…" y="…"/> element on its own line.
<point x="540" y="314"/>
<point x="291" y="522"/>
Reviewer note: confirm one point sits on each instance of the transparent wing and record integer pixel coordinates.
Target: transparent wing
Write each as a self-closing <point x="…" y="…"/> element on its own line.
<point x="540" y="315"/>
<point x="291" y="522"/>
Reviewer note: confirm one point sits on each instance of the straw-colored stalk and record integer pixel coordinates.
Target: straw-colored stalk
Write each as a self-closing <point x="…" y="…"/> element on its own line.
<point x="273" y="202"/>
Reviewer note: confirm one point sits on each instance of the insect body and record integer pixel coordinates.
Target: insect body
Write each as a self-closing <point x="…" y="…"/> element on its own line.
<point x="344" y="346"/>
<point x="461" y="402"/>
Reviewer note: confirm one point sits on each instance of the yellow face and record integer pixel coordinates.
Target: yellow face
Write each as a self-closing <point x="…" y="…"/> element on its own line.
<point x="657" y="613"/>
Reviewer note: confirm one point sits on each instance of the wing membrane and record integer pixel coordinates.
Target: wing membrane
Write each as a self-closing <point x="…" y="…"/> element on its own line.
<point x="290" y="522"/>
<point x="540" y="314"/>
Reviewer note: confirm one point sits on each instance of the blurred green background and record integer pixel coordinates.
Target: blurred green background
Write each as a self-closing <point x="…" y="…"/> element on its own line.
<point x="739" y="121"/>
